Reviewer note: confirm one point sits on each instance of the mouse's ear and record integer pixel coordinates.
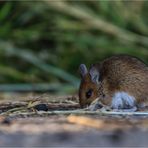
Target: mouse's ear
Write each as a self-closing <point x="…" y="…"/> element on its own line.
<point x="83" y="70"/>
<point x="94" y="73"/>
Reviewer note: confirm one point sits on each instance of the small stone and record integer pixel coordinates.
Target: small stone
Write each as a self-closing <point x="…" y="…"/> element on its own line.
<point x="41" y="107"/>
<point x="7" y="121"/>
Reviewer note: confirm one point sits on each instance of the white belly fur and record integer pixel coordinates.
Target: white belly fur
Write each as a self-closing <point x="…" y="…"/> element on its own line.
<point x="122" y="100"/>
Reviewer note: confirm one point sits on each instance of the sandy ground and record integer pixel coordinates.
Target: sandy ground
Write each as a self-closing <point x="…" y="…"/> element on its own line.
<point x="59" y="131"/>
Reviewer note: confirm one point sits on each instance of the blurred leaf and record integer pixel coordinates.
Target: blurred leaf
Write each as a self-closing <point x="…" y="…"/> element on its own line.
<point x="29" y="57"/>
<point x="5" y="11"/>
<point x="5" y="30"/>
<point x="45" y="41"/>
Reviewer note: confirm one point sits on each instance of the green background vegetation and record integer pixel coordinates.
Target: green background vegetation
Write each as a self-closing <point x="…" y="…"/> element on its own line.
<point x="45" y="41"/>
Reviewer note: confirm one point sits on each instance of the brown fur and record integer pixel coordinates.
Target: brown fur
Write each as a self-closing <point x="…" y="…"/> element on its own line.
<point x="117" y="73"/>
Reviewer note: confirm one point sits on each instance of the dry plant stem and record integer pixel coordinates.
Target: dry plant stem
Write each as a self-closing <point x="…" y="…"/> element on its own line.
<point x="79" y="112"/>
<point x="51" y="107"/>
<point x="11" y="107"/>
<point x="97" y="23"/>
<point x="17" y="109"/>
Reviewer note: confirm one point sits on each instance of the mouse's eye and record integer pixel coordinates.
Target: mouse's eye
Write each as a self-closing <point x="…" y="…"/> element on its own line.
<point x="89" y="93"/>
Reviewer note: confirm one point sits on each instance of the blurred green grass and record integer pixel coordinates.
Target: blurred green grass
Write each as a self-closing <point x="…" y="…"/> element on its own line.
<point x="45" y="41"/>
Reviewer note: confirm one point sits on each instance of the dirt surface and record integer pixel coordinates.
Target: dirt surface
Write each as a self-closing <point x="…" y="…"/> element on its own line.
<point x="17" y="129"/>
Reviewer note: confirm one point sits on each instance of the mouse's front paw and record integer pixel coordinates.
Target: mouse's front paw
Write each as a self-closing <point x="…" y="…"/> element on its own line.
<point x="95" y="105"/>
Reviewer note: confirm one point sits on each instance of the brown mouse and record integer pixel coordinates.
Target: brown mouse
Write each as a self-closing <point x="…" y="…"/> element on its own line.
<point x="120" y="82"/>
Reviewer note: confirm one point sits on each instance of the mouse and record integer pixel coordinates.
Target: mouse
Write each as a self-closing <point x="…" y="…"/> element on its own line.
<point x="120" y="81"/>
